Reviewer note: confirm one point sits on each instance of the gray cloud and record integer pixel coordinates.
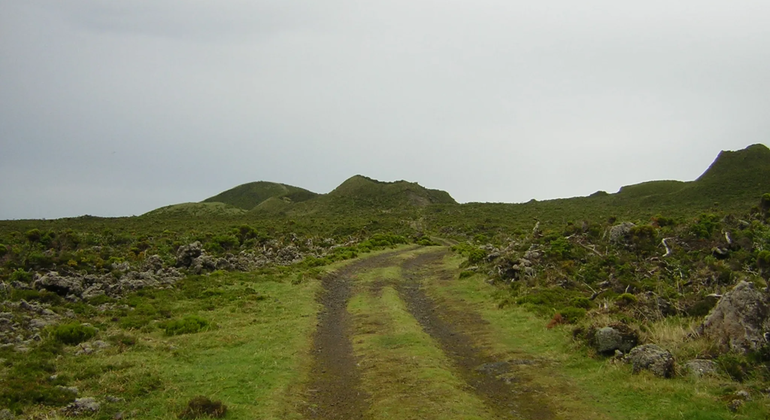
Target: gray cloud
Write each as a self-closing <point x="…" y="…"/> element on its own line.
<point x="115" y="108"/>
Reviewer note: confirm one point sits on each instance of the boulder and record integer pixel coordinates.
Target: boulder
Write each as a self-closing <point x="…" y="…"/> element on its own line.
<point x="619" y="233"/>
<point x="60" y="285"/>
<point x="653" y="358"/>
<point x="739" y="322"/>
<point x="608" y="339"/>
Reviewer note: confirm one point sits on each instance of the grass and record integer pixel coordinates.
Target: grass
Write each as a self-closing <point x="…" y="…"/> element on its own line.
<point x="404" y="371"/>
<point x="248" y="361"/>
<point x="617" y="392"/>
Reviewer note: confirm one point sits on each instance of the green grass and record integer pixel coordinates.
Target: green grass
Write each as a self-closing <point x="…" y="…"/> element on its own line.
<point x="617" y="392"/>
<point x="249" y="360"/>
<point x="404" y="371"/>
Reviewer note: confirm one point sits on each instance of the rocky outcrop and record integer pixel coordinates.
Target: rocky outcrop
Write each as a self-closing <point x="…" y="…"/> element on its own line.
<point x="60" y="285"/>
<point x="653" y="358"/>
<point x="739" y="322"/>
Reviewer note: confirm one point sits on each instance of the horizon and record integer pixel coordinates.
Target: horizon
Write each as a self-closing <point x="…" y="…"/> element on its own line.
<point x="118" y="108"/>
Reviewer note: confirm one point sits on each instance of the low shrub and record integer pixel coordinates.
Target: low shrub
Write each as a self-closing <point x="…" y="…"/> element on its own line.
<point x="201" y="406"/>
<point x="187" y="325"/>
<point x="572" y="315"/>
<point x="72" y="333"/>
<point x="21" y="276"/>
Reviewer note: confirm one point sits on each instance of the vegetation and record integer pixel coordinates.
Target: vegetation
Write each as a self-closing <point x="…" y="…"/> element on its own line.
<point x="242" y="333"/>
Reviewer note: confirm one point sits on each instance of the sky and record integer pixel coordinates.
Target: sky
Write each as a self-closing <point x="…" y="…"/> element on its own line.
<point x="114" y="108"/>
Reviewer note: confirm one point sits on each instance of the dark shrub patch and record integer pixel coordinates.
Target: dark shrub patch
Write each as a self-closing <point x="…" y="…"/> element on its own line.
<point x="187" y="325"/>
<point x="72" y="333"/>
<point x="201" y="406"/>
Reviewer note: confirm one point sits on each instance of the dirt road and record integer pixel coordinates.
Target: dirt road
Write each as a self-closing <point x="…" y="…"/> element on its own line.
<point x="336" y="389"/>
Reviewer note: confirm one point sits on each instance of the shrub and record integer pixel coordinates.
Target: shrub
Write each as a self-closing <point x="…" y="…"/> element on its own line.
<point x="580" y="302"/>
<point x="201" y="406"/>
<point x="187" y="325"/>
<point x="626" y="299"/>
<point x="33" y="235"/>
<point x="763" y="262"/>
<point x="72" y="333"/>
<point x="466" y="273"/>
<point x="571" y="314"/>
<point x="706" y="225"/>
<point x="21" y="276"/>
<point x="3" y="250"/>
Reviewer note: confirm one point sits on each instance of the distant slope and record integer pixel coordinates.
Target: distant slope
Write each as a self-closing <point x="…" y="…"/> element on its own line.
<point x="248" y="196"/>
<point x="196" y="210"/>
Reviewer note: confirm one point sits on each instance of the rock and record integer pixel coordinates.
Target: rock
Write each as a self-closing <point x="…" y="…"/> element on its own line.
<point x="113" y="399"/>
<point x="653" y="358"/>
<point x="608" y="339"/>
<point x="81" y="407"/>
<point x="60" y="285"/>
<point x="70" y="389"/>
<point x="739" y="321"/>
<point x="154" y="263"/>
<point x="187" y="253"/>
<point x="6" y="414"/>
<point x="720" y="253"/>
<point x="736" y="404"/>
<point x="619" y="233"/>
<point x="203" y="264"/>
<point x="698" y="368"/>
<point x="99" y="344"/>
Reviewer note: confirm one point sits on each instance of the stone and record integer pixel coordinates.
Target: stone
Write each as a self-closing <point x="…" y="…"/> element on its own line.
<point x="187" y="253"/>
<point x="82" y="407"/>
<point x="653" y="358"/>
<point x="61" y="285"/>
<point x="609" y="339"/>
<point x="6" y="414"/>
<point x="739" y="322"/>
<point x="619" y="233"/>
<point x="698" y="368"/>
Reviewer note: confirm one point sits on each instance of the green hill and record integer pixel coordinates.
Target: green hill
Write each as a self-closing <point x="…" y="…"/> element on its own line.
<point x="197" y="210"/>
<point x="248" y="196"/>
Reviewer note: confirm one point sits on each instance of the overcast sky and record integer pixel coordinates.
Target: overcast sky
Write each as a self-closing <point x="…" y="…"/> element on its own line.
<point x="118" y="107"/>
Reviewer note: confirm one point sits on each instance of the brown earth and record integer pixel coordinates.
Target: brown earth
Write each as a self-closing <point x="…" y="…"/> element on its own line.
<point x="334" y="391"/>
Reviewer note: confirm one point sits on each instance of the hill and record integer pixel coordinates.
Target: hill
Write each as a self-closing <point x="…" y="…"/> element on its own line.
<point x="197" y="210"/>
<point x="247" y="196"/>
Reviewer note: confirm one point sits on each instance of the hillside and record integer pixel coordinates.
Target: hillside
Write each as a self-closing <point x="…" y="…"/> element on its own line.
<point x="196" y="210"/>
<point x="363" y="194"/>
<point x="247" y="196"/>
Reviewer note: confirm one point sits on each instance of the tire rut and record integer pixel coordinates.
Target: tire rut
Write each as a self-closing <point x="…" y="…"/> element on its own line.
<point x="334" y="390"/>
<point x="504" y="390"/>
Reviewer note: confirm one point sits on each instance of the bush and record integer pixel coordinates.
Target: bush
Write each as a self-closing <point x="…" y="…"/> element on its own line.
<point x="580" y="302"/>
<point x="706" y="225"/>
<point x="72" y="333"/>
<point x="201" y="406"/>
<point x="3" y="250"/>
<point x="572" y="315"/>
<point x="187" y="325"/>
<point x="626" y="299"/>
<point x="21" y="276"/>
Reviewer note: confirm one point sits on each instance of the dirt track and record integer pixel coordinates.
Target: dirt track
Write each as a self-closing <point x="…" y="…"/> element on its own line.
<point x="495" y="381"/>
<point x="334" y="390"/>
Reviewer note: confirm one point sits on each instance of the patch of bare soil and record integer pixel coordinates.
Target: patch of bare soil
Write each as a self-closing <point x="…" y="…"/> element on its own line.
<point x="334" y="391"/>
<point x="500" y="383"/>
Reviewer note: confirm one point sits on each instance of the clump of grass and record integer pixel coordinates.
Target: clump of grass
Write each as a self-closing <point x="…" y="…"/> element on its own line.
<point x="187" y="325"/>
<point x="72" y="333"/>
<point x="201" y="406"/>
